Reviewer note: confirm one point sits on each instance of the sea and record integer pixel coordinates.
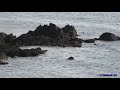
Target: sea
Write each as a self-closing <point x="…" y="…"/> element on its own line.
<point x="90" y="61"/>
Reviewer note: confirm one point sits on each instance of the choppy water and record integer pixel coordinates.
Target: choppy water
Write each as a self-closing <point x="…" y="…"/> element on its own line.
<point x="90" y="60"/>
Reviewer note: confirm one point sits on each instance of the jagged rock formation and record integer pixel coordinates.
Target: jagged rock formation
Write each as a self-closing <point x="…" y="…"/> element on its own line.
<point x="10" y="48"/>
<point x="50" y="35"/>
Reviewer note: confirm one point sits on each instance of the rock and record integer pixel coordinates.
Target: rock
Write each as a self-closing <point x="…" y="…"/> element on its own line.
<point x="9" y="47"/>
<point x="51" y="31"/>
<point x="3" y="35"/>
<point x="109" y="37"/>
<point x="3" y="55"/>
<point x="13" y="53"/>
<point x="50" y="35"/>
<point x="96" y="38"/>
<point x="26" y="52"/>
<point x="71" y="58"/>
<point x="3" y="63"/>
<point x="69" y="32"/>
<point x="10" y="39"/>
<point x="31" y="52"/>
<point x="89" y="41"/>
<point x="4" y="45"/>
<point x="43" y="35"/>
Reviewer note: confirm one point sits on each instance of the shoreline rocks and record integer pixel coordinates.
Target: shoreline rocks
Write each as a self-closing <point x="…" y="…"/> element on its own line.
<point x="47" y="35"/>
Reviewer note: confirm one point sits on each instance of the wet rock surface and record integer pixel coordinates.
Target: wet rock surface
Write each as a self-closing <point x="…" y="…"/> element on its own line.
<point x="109" y="37"/>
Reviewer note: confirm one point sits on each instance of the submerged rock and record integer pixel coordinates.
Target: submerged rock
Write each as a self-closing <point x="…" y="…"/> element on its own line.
<point x="3" y="63"/>
<point x="89" y="41"/>
<point x="26" y="52"/>
<point x="71" y="58"/>
<point x="31" y="52"/>
<point x="109" y="37"/>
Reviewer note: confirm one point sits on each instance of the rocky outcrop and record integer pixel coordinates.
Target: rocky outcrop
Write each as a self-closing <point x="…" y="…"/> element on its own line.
<point x="51" y="31"/>
<point x="109" y="37"/>
<point x="10" y="48"/>
<point x="47" y="35"/>
<point x="50" y="35"/>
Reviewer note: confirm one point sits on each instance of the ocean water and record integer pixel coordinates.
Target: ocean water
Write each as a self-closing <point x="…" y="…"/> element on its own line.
<point x="91" y="61"/>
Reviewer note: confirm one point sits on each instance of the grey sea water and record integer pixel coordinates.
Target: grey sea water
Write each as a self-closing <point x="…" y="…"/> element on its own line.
<point x="91" y="61"/>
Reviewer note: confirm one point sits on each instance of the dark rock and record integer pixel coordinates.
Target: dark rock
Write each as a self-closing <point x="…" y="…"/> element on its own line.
<point x="5" y="45"/>
<point x="71" y="58"/>
<point x="50" y="35"/>
<point x="89" y="41"/>
<point x="43" y="35"/>
<point x="31" y="52"/>
<point x="109" y="37"/>
<point x="51" y="31"/>
<point x="9" y="47"/>
<point x="13" y="52"/>
<point x="10" y="39"/>
<point x="3" y="55"/>
<point x="26" y="52"/>
<point x="96" y="38"/>
<point x="69" y="32"/>
<point x="3" y="63"/>
<point x="3" y="35"/>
